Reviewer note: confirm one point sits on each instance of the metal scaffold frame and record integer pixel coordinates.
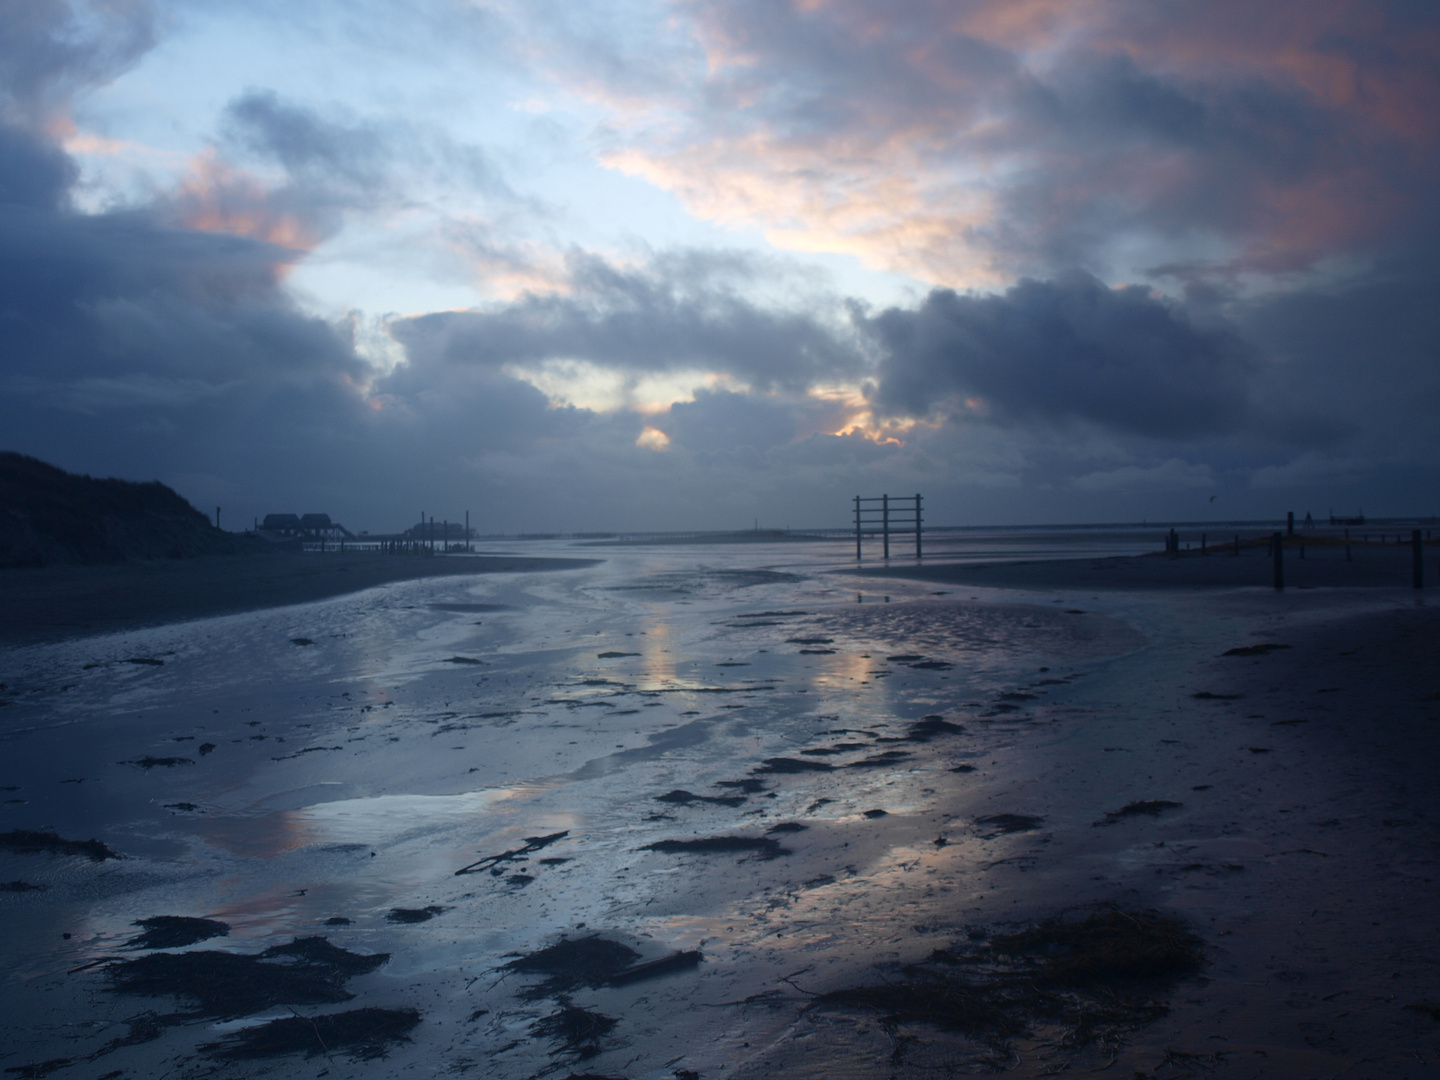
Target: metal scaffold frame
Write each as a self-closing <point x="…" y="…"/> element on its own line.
<point x="907" y="512"/>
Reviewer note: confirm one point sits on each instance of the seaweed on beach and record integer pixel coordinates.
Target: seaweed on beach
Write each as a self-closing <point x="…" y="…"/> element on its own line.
<point x="1263" y="649"/>
<point x="39" y="1068"/>
<point x="175" y="931"/>
<point x="150" y="762"/>
<point x="749" y="786"/>
<point x="1142" y="808"/>
<point x="573" y="962"/>
<point x="413" y="915"/>
<point x="651" y="969"/>
<point x="680" y="797"/>
<point x="578" y="1030"/>
<point x="763" y="846"/>
<point x="1074" y="981"/>
<point x="365" y="1034"/>
<point x="1003" y="824"/>
<point x="532" y="844"/>
<point x="307" y="971"/>
<point x="791" y="765"/>
<point x="35" y="841"/>
<point x="931" y="727"/>
<point x="888" y="757"/>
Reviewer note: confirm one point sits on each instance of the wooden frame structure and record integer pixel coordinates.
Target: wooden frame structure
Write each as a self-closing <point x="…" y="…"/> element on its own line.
<point x="906" y="513"/>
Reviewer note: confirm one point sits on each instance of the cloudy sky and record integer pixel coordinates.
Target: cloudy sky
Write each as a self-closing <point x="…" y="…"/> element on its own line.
<point x="683" y="264"/>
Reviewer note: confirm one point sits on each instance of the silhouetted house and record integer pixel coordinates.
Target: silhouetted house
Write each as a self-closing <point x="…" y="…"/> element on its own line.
<point x="281" y="523"/>
<point x="316" y="523"/>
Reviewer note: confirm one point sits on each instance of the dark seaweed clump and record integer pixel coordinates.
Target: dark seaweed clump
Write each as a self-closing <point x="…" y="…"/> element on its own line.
<point x="414" y="915"/>
<point x="791" y="765"/>
<point x="594" y="961"/>
<point x="1263" y="649"/>
<point x="574" y="962"/>
<point x="931" y="727"/>
<point x="34" y="841"/>
<point x="1142" y="808"/>
<point x="578" y="1030"/>
<point x="1076" y="982"/>
<point x="307" y="971"/>
<point x="680" y="797"/>
<point x="765" y="847"/>
<point x="365" y="1034"/>
<point x="176" y="931"/>
<point x="1010" y="823"/>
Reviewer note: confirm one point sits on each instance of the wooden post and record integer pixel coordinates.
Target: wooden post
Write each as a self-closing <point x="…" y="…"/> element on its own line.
<point x="917" y="525"/>
<point x="1237" y="543"/>
<point x="1277" y="546"/>
<point x="1347" y="545"/>
<point x="857" y="527"/>
<point x="467" y="530"/>
<point x="1417" y="569"/>
<point x="885" y="523"/>
<point x="1290" y="523"/>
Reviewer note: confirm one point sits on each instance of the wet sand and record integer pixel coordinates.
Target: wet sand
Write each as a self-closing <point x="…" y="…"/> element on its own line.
<point x="663" y="817"/>
<point x="59" y="602"/>
<point x="1323" y="566"/>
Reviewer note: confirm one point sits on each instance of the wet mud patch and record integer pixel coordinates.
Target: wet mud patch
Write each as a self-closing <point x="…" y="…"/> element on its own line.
<point x="1143" y="808"/>
<point x="363" y="1034"/>
<point x="35" y="841"/>
<point x="175" y="932"/>
<point x="762" y="846"/>
<point x="307" y="971"/>
<point x="1068" y="983"/>
<point x="19" y="887"/>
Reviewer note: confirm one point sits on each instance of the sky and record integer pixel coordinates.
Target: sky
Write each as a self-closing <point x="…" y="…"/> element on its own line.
<point x="702" y="264"/>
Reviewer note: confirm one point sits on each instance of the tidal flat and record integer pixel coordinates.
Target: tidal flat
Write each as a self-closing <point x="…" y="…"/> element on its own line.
<point x="730" y="812"/>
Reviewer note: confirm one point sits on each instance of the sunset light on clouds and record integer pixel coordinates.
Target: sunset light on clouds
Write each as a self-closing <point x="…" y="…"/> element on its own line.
<point x="1080" y="261"/>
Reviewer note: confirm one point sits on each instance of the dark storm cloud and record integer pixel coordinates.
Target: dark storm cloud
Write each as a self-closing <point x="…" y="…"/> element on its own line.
<point x="1062" y="351"/>
<point x="304" y="142"/>
<point x="359" y="162"/>
<point x="676" y="313"/>
<point x="721" y="420"/>
<point x="1269" y="136"/>
<point x="49" y="49"/>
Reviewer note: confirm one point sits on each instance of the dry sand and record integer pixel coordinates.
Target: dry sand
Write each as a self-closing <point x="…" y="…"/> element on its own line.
<point x="771" y="795"/>
<point x="58" y="602"/>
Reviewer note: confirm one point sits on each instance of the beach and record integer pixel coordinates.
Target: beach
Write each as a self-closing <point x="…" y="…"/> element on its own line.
<point x="58" y="602"/>
<point x="737" y="811"/>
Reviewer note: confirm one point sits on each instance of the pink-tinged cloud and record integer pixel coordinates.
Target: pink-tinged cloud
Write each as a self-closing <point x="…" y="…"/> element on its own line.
<point x="216" y="197"/>
<point x="964" y="143"/>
